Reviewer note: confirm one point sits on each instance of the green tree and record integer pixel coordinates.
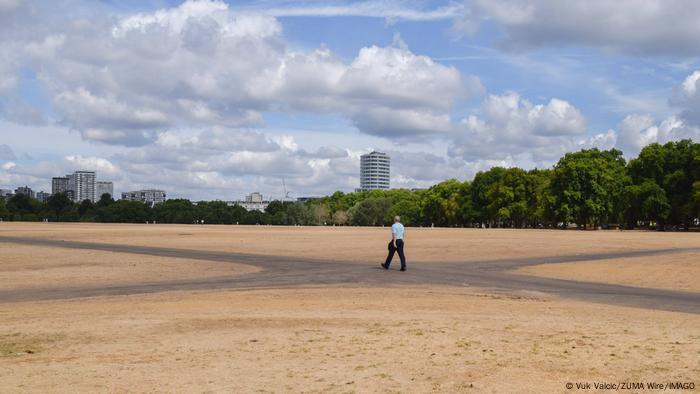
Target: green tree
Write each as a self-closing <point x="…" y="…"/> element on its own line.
<point x="298" y="214"/>
<point x="372" y="211"/>
<point x="340" y="218"/>
<point x="694" y="201"/>
<point x="175" y="211"/>
<point x="105" y="200"/>
<point x="4" y="213"/>
<point x="320" y="214"/>
<point x="646" y="203"/>
<point x="587" y="186"/>
<point x="539" y="212"/>
<point x="674" y="167"/>
<point x="123" y="211"/>
<point x="22" y="207"/>
<point x="60" y="207"/>
<point x="85" y="210"/>
<point x="440" y="203"/>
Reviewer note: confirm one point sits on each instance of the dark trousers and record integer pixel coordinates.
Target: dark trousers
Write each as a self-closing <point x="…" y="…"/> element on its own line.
<point x="398" y="248"/>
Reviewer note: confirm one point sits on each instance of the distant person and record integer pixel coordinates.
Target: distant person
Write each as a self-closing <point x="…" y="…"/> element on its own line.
<point x="396" y="244"/>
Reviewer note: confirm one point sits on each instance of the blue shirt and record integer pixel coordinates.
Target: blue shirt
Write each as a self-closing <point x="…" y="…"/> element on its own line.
<point x="397" y="229"/>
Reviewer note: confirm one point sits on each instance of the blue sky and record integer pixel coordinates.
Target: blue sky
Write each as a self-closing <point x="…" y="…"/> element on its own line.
<point x="213" y="100"/>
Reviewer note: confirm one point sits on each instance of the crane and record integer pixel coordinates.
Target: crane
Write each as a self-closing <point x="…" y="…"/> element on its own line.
<point x="286" y="193"/>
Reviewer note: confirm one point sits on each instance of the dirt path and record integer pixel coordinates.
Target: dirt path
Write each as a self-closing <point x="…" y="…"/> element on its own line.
<point x="282" y="271"/>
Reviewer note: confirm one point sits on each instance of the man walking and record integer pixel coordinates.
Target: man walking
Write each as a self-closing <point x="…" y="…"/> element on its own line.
<point x="396" y="244"/>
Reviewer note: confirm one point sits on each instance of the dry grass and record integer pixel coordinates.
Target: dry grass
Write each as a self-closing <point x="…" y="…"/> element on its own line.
<point x="333" y="339"/>
<point x="342" y="340"/>
<point x="674" y="272"/>
<point x="38" y="266"/>
<point x="359" y="244"/>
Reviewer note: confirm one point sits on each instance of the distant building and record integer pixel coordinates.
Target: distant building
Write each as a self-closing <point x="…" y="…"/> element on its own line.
<point x="83" y="185"/>
<point x="43" y="196"/>
<point x="26" y="190"/>
<point x="375" y="169"/>
<point x="148" y="196"/>
<point x="6" y="193"/>
<point x="306" y="199"/>
<point x="254" y="197"/>
<point x="59" y="184"/>
<point x="103" y="187"/>
<point x="253" y="202"/>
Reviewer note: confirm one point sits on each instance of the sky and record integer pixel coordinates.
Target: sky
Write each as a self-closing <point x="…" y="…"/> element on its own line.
<point x="216" y="99"/>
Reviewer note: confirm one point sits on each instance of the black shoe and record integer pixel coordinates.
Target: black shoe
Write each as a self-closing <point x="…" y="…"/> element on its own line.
<point x="386" y="267"/>
<point x="402" y="269"/>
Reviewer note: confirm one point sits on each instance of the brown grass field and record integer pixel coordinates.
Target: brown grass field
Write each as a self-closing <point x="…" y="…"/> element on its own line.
<point x="341" y="338"/>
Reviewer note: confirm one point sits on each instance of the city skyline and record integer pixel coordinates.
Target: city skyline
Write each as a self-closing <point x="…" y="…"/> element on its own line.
<point x="232" y="97"/>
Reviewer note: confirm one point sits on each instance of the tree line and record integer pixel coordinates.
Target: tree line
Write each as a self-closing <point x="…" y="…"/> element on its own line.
<point x="590" y="188"/>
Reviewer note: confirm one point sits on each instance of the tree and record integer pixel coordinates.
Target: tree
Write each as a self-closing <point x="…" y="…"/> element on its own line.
<point x="440" y="203"/>
<point x="298" y="214"/>
<point x="123" y="211"/>
<point x="587" y="186"/>
<point x="645" y="203"/>
<point x="105" y="200"/>
<point x="276" y="207"/>
<point x="60" y="206"/>
<point x="340" y="218"/>
<point x="481" y="192"/>
<point x="321" y="214"/>
<point x="85" y="209"/>
<point x="370" y="212"/>
<point x="694" y="201"/>
<point x="674" y="167"/>
<point x="4" y="213"/>
<point x="539" y="212"/>
<point x="175" y="211"/>
<point x="21" y="207"/>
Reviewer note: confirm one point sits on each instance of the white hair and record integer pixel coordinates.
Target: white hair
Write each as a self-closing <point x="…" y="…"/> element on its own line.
<point x="397" y="218"/>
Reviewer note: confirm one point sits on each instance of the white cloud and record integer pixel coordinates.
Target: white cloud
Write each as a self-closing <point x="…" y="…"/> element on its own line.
<point x="637" y="131"/>
<point x="513" y="126"/>
<point x="687" y="98"/>
<point x="690" y="84"/>
<point x="103" y="166"/>
<point x="201" y="64"/>
<point x="390" y="10"/>
<point x="628" y="26"/>
<point x="378" y="88"/>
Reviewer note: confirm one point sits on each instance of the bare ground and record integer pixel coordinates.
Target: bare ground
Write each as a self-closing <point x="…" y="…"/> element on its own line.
<point x="673" y="272"/>
<point x="339" y="340"/>
<point x="24" y="267"/>
<point x="409" y="337"/>
<point x="359" y="244"/>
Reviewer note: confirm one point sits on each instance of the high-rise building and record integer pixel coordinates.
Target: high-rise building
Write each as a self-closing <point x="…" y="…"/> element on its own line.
<point x="374" y="171"/>
<point x="148" y="196"/>
<point x="59" y="184"/>
<point x="83" y="185"/>
<point x="26" y="190"/>
<point x="42" y="196"/>
<point x="103" y="187"/>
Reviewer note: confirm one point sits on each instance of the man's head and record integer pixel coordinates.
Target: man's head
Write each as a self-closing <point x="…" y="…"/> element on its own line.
<point x="397" y="219"/>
